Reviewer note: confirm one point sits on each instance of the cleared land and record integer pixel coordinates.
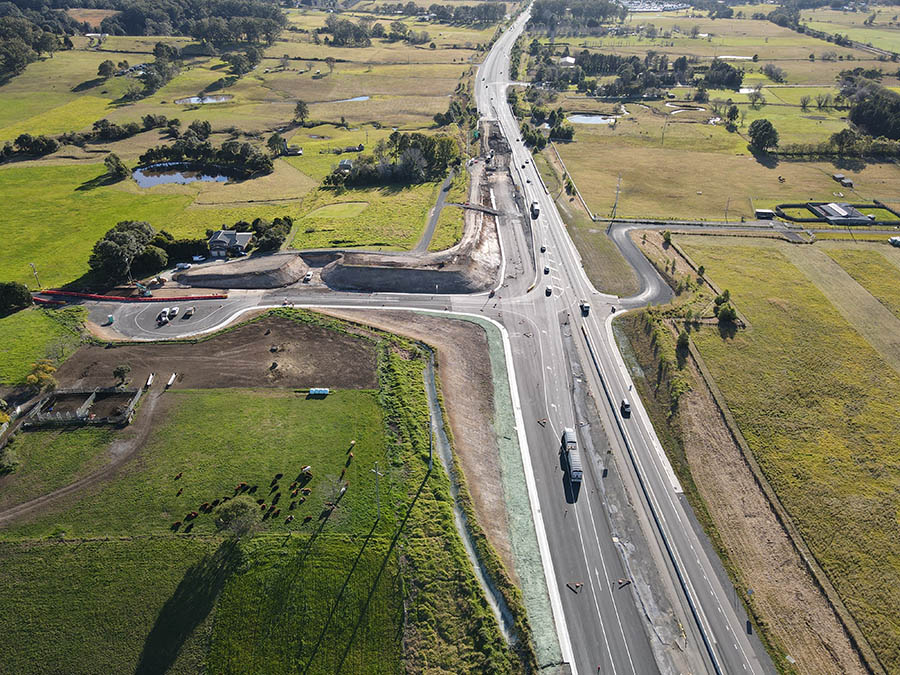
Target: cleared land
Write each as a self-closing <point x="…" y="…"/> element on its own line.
<point x="307" y="355"/>
<point x="814" y="400"/>
<point x="329" y="590"/>
<point x="876" y="268"/>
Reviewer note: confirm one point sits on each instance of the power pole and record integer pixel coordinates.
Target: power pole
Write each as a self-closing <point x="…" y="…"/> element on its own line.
<point x="34" y="271"/>
<point x="727" y="204"/>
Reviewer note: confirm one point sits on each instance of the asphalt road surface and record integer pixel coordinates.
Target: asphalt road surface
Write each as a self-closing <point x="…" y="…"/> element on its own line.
<point x="601" y="628"/>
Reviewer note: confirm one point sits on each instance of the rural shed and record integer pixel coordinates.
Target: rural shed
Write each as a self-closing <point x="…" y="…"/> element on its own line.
<point x="224" y="242"/>
<point x="838" y="177"/>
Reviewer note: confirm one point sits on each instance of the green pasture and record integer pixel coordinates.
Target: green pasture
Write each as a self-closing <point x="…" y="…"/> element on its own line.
<point x="394" y="218"/>
<point x="816" y="404"/>
<point x="34" y="334"/>
<point x="107" y="606"/>
<point x="312" y="604"/>
<point x="253" y="443"/>
<point x="52" y="459"/>
<point x="650" y="146"/>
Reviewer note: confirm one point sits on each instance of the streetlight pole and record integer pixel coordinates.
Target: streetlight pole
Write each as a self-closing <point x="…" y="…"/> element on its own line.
<point x="34" y="271"/>
<point x="377" y="494"/>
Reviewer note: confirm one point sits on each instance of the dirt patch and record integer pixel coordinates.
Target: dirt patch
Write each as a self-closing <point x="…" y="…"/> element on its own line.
<point x="304" y="355"/>
<point x="464" y="369"/>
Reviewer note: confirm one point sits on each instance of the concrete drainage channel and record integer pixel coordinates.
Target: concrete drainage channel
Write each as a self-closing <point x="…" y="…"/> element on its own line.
<point x="442" y="444"/>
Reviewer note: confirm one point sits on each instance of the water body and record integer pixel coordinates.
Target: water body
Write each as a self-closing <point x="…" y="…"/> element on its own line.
<point x="592" y="119"/>
<point x="198" y="100"/>
<point x="182" y="174"/>
<point x="352" y="100"/>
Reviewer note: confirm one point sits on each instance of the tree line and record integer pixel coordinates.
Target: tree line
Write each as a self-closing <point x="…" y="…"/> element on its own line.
<point x="24" y="36"/>
<point x="575" y="17"/>
<point x="242" y="160"/>
<point x="405" y="158"/>
<point x="485" y="12"/>
<point x="635" y="76"/>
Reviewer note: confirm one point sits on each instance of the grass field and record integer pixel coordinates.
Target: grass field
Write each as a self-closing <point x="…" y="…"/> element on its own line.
<point x="192" y="439"/>
<point x="814" y="401"/>
<point x="92" y="606"/>
<point x="34" y="334"/>
<point x="394" y="218"/>
<point x="311" y="626"/>
<point x="451" y="220"/>
<point x="872" y="270"/>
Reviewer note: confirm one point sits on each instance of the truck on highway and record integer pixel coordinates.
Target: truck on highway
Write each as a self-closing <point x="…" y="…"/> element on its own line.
<point x="535" y="209"/>
<point x="573" y="458"/>
<point x="585" y="307"/>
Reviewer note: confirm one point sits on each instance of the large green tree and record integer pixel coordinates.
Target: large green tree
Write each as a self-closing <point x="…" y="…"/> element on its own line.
<point x="763" y="136"/>
<point x="114" y="255"/>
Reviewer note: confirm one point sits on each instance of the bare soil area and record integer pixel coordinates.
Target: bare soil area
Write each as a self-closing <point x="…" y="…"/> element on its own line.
<point x="464" y="368"/>
<point x="785" y="596"/>
<point x="272" y="352"/>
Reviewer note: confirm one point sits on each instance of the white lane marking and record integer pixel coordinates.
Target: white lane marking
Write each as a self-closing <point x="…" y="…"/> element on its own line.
<point x="593" y="590"/>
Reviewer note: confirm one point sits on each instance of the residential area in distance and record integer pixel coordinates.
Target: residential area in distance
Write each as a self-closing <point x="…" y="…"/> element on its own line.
<point x="449" y="337"/>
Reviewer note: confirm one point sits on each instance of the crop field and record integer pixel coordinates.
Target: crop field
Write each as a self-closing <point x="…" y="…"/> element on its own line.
<point x="34" y="334"/>
<point x="324" y="592"/>
<point x="393" y="218"/>
<point x="814" y="399"/>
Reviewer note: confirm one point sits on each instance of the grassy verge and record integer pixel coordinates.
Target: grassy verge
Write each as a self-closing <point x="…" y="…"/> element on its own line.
<point x="34" y="334"/>
<point x="387" y="218"/>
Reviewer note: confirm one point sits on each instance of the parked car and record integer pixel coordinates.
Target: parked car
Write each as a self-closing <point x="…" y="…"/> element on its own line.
<point x="188" y="313"/>
<point x="163" y="315"/>
<point x="546" y="270"/>
<point x="198" y="258"/>
<point x="183" y="266"/>
<point x="173" y="312"/>
<point x="548" y="291"/>
<point x="543" y="249"/>
<point x="307" y="277"/>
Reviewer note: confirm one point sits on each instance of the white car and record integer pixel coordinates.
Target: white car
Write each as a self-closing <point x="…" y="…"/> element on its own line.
<point x="198" y="258"/>
<point x="307" y="277"/>
<point x="183" y="266"/>
<point x="173" y="312"/>
<point x="163" y="315"/>
<point x="189" y="312"/>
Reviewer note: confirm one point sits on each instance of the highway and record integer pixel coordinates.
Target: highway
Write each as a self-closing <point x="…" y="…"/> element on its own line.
<point x="601" y="626"/>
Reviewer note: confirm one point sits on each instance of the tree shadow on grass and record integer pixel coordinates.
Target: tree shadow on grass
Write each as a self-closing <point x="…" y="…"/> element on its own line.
<point x="100" y="181"/>
<point x="88" y="84"/>
<point x="187" y="608"/>
<point x="767" y="160"/>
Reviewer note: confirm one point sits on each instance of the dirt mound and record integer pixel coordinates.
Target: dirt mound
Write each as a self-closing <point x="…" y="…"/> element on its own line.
<point x="270" y="271"/>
